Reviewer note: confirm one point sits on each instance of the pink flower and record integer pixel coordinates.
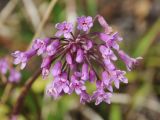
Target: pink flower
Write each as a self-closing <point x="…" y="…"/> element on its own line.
<point x="64" y="29"/>
<point x="100" y="96"/>
<point x="111" y="40"/>
<point x="107" y="53"/>
<point x="84" y="97"/>
<point x="23" y="57"/>
<point x="40" y="45"/>
<point x="84" y="23"/>
<point x="9" y="71"/>
<point x="51" y="91"/>
<point x="130" y="62"/>
<point x="14" y="76"/>
<point x="61" y="83"/>
<point x="77" y="85"/>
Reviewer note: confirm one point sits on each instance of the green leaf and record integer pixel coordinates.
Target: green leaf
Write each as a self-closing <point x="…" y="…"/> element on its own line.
<point x="92" y="7"/>
<point x="150" y="62"/>
<point x="148" y="39"/>
<point x="140" y="97"/>
<point x="115" y="113"/>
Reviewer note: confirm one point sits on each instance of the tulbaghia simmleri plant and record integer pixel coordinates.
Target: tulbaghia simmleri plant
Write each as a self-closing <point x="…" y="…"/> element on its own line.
<point x="76" y="57"/>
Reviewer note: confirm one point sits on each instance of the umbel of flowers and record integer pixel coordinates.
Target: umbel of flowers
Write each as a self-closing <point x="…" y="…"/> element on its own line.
<point x="75" y="58"/>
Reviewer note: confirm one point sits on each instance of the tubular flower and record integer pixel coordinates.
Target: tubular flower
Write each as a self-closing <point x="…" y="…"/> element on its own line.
<point x="71" y="60"/>
<point x="64" y="29"/>
<point x="84" y="23"/>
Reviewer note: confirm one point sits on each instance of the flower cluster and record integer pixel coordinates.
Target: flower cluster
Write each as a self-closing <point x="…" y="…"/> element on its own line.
<point x="14" y="75"/>
<point x="76" y="57"/>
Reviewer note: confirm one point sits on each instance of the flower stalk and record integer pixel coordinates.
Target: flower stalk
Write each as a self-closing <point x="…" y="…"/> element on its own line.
<point x="18" y="105"/>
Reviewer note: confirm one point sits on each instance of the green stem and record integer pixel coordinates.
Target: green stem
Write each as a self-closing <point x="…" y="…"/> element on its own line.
<point x="6" y="93"/>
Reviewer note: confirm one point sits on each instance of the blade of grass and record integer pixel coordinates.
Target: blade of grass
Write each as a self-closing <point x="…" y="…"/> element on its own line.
<point x="148" y="39"/>
<point x="7" y="10"/>
<point x="115" y="113"/>
<point x="92" y="7"/>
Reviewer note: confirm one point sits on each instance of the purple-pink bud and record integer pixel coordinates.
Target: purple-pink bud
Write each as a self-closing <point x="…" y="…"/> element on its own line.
<point x="52" y="48"/>
<point x="104" y="24"/>
<point x="69" y="58"/>
<point x="92" y="76"/>
<point x="79" y="56"/>
<point x="56" y="70"/>
<point x="85" y="72"/>
<point x="105" y="78"/>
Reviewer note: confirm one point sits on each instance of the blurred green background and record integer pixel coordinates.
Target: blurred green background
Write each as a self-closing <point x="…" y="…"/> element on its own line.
<point x="138" y="21"/>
